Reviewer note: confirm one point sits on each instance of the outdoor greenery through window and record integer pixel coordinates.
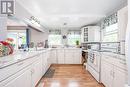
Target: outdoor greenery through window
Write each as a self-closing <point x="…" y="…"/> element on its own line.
<point x="74" y="36"/>
<point x="55" y="39"/>
<point x="72" y="39"/>
<point x="19" y="38"/>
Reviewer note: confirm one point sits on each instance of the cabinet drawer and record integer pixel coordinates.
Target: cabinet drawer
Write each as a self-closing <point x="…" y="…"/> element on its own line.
<point x="13" y="80"/>
<point x="8" y="71"/>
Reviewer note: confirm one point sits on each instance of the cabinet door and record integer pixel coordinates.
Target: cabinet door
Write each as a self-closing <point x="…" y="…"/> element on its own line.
<point x="106" y="74"/>
<point x="49" y="61"/>
<point x="60" y="56"/>
<point x="122" y="22"/>
<point x="91" y="34"/>
<point x="94" y="34"/>
<point x="23" y="80"/>
<point x="36" y="72"/>
<point x="84" y="34"/>
<point x="119" y="77"/>
<point x="69" y="56"/>
<point x="54" y="57"/>
<point x="77" y="57"/>
<point x="45" y="64"/>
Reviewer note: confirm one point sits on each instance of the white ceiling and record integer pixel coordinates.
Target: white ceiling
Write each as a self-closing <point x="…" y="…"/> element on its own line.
<point x="76" y="13"/>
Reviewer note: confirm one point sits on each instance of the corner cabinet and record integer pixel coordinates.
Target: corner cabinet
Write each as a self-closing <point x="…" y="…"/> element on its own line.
<point x="90" y="34"/>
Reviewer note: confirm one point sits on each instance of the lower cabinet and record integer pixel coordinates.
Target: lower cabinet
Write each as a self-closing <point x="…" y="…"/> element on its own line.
<point x="36" y="72"/>
<point x="53" y="56"/>
<point x="30" y="74"/>
<point x="22" y="80"/>
<point x="107" y="74"/>
<point x="111" y="75"/>
<point x="60" y="56"/>
<point x="69" y="56"/>
<point x="44" y="63"/>
<point x="120" y="77"/>
<point x="77" y="57"/>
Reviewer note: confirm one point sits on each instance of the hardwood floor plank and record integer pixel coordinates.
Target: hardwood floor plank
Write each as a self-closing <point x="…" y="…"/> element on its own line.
<point x="69" y="76"/>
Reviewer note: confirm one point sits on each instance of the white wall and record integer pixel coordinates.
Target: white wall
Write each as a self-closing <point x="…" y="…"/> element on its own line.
<point x="3" y="27"/>
<point x="36" y="36"/>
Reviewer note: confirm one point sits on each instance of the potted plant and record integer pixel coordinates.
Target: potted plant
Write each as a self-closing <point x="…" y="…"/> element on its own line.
<point x="77" y="43"/>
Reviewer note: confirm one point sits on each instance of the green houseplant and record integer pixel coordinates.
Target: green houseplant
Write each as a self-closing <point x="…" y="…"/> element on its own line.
<point x="77" y="43"/>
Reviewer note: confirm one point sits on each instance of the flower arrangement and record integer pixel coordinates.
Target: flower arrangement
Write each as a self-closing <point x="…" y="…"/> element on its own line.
<point x="6" y="47"/>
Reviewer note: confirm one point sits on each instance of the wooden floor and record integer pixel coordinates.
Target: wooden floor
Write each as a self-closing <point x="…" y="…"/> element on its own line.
<point x="69" y="76"/>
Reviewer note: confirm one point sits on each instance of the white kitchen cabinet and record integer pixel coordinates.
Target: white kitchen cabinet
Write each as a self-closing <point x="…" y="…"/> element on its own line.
<point x="84" y="34"/>
<point x="22" y="80"/>
<point x="26" y="73"/>
<point x="69" y="56"/>
<point x="90" y="34"/>
<point x="122" y="26"/>
<point x="112" y="73"/>
<point x="54" y="56"/>
<point x="36" y="71"/>
<point x="122" y="22"/>
<point x="119" y="77"/>
<point x="94" y="34"/>
<point x="77" y="56"/>
<point x="44" y="63"/>
<point x="49" y="59"/>
<point x="107" y="74"/>
<point x="60" y="56"/>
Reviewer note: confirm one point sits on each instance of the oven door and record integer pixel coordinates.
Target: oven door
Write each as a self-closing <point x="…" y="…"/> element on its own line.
<point x="93" y="61"/>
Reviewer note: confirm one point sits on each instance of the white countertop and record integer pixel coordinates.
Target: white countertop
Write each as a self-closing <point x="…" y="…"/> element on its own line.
<point x="20" y="56"/>
<point x="114" y="55"/>
<point x="17" y="57"/>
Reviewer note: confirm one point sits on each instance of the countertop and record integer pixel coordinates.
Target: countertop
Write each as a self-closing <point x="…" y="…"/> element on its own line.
<point x="114" y="55"/>
<point x="17" y="57"/>
<point x="20" y="56"/>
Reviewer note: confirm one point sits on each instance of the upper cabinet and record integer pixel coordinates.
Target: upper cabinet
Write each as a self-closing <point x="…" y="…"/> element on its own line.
<point x="122" y="23"/>
<point x="90" y="34"/>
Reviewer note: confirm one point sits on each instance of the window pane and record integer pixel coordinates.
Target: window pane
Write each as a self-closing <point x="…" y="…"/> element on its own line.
<point x="55" y="39"/>
<point x="18" y="37"/>
<point x="112" y="28"/>
<point x="73" y="38"/>
<point x="21" y="39"/>
<point x="14" y="37"/>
